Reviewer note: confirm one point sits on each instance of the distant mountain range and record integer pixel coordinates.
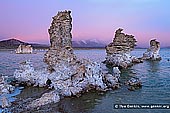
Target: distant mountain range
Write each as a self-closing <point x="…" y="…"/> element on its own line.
<point x="14" y="43"/>
<point x="88" y="44"/>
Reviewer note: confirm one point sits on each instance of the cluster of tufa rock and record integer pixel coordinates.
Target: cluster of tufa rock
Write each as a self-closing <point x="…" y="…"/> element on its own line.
<point x="24" y="49"/>
<point x="5" y="88"/>
<point x="67" y="74"/>
<point x="118" y="51"/>
<point x="26" y="74"/>
<point x="152" y="53"/>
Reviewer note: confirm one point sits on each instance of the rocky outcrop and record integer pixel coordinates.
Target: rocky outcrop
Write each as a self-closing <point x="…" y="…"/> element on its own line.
<point x="5" y="88"/>
<point x="134" y="83"/>
<point x="46" y="98"/>
<point x="118" y="51"/>
<point x="152" y="53"/>
<point x="24" y="49"/>
<point x="26" y="74"/>
<point x="67" y="74"/>
<point x="60" y="40"/>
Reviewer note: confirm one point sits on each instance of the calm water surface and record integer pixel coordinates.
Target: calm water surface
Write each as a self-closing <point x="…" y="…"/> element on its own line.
<point x="155" y="77"/>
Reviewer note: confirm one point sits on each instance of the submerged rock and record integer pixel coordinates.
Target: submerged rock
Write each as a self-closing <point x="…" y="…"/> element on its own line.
<point x="67" y="74"/>
<point x="118" y="51"/>
<point x="46" y="98"/>
<point x="134" y="83"/>
<point x="137" y="60"/>
<point x="152" y="53"/>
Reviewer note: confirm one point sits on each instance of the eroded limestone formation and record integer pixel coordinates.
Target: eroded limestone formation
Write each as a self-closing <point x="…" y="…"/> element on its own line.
<point x="60" y="40"/>
<point x="118" y="51"/>
<point x="67" y="74"/>
<point x="152" y="53"/>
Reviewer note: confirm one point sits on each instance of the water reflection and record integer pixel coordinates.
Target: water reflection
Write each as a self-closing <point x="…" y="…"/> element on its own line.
<point x="153" y="66"/>
<point x="80" y="104"/>
<point x="29" y="92"/>
<point x="154" y="75"/>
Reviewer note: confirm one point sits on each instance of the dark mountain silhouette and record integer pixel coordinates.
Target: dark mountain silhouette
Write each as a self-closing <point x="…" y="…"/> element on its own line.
<point x="88" y="44"/>
<point x="14" y="43"/>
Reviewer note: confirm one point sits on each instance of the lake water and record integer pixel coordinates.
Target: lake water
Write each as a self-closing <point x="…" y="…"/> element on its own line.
<point x="155" y="77"/>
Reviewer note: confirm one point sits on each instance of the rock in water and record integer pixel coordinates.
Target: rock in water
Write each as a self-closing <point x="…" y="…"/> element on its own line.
<point x="134" y="83"/>
<point x="152" y="53"/>
<point x="24" y="49"/>
<point x="118" y="51"/>
<point x="67" y="74"/>
<point x="45" y="99"/>
<point x="70" y="75"/>
<point x="5" y="88"/>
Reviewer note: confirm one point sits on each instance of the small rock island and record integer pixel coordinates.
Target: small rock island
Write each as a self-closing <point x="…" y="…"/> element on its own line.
<point x="152" y="53"/>
<point x="119" y="51"/>
<point x="24" y="49"/>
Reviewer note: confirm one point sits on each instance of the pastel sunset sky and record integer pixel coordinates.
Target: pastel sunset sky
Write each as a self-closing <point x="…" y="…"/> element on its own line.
<point x="29" y="20"/>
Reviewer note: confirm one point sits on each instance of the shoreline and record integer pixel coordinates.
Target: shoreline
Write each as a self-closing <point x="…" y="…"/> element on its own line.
<point x="79" y="48"/>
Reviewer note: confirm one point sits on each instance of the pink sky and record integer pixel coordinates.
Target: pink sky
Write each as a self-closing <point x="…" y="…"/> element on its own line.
<point x="92" y="19"/>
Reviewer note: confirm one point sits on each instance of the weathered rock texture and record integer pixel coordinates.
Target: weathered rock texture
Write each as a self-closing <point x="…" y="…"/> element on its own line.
<point x="5" y="88"/>
<point x="67" y="74"/>
<point x="46" y="98"/>
<point x="118" y="51"/>
<point x="60" y="39"/>
<point x="152" y="53"/>
<point x="28" y="75"/>
<point x="134" y="83"/>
